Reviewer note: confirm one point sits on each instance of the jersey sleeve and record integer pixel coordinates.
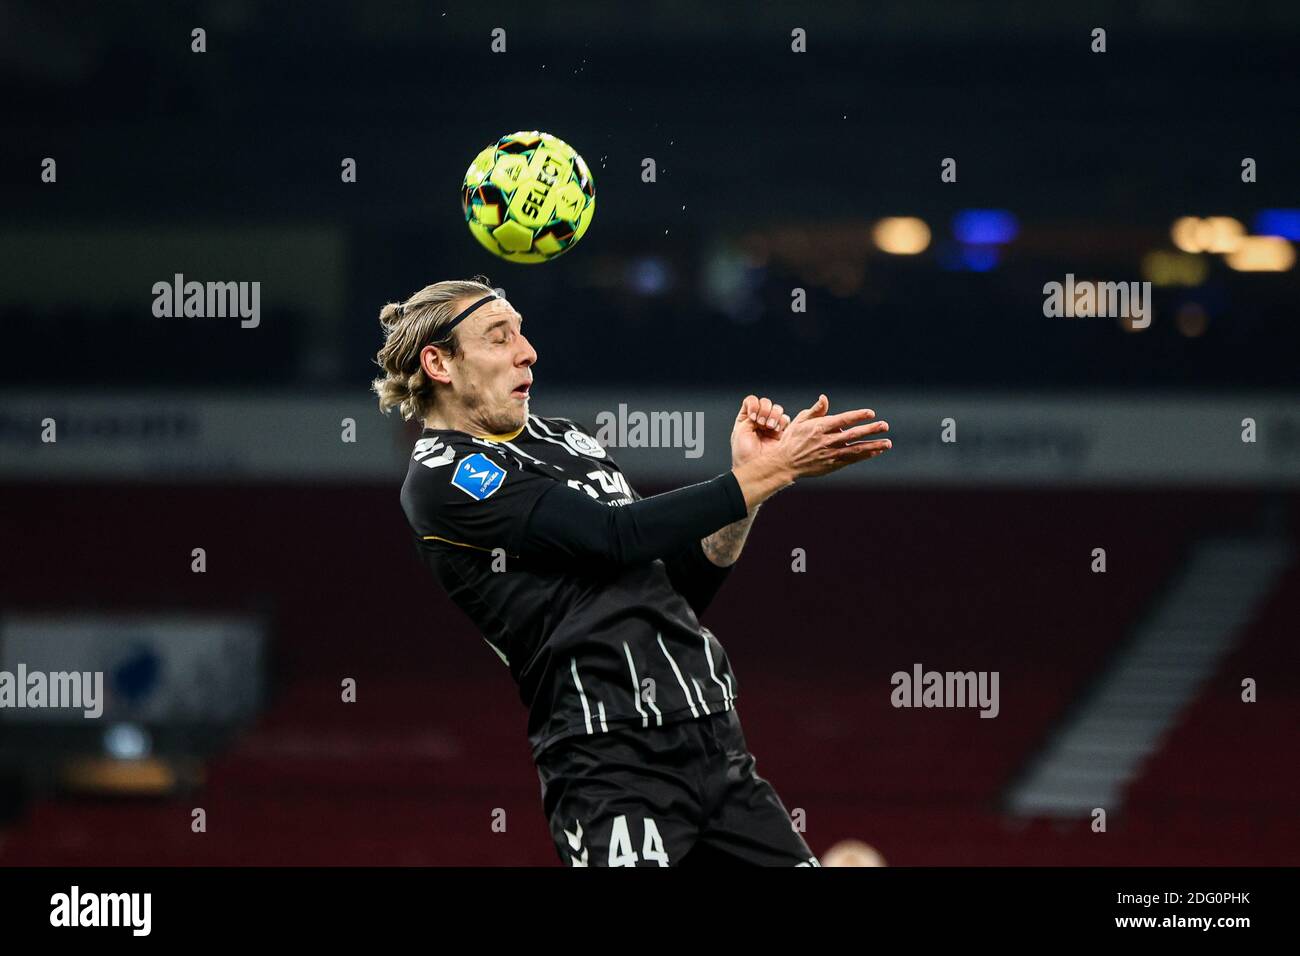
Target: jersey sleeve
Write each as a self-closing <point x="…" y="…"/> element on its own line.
<point x="482" y="501"/>
<point x="568" y="525"/>
<point x="695" y="577"/>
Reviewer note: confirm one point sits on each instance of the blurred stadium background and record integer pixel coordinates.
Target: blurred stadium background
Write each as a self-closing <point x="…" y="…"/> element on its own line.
<point x="776" y="171"/>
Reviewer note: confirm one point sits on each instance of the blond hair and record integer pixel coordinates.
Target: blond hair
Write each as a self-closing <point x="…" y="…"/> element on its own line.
<point x="408" y="327"/>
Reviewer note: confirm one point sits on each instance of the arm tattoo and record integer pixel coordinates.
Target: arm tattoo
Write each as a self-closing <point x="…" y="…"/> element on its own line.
<point x="723" y="547"/>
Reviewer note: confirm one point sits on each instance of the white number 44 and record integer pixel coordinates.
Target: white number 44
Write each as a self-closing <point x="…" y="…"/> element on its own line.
<point x="620" y="844"/>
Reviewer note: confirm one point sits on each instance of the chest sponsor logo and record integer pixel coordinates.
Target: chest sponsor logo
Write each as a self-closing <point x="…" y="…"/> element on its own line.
<point x="478" y="476"/>
<point x="583" y="444"/>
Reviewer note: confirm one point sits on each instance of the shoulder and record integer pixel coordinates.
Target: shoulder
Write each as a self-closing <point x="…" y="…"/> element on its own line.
<point x="434" y="451"/>
<point x="471" y="491"/>
<point x="571" y="423"/>
<point x="447" y="467"/>
<point x="565" y="431"/>
<point x="555" y="425"/>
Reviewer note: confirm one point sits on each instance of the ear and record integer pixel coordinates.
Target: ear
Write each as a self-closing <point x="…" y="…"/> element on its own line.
<point x="434" y="363"/>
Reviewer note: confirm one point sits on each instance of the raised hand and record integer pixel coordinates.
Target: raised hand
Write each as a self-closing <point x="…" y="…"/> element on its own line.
<point x="758" y="425"/>
<point x="816" y="443"/>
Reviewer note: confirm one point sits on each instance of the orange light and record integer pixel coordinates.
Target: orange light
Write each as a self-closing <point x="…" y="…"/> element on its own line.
<point x="1225" y="234"/>
<point x="1262" y="254"/>
<point x="1184" y="234"/>
<point x="901" y="235"/>
<point x="1213" y="234"/>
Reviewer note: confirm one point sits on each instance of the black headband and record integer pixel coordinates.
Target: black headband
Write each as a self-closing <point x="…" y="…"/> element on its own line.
<point x="446" y="329"/>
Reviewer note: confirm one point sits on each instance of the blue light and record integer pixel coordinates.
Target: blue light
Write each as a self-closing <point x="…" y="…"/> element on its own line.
<point x="964" y="257"/>
<point x="127" y="741"/>
<point x="1278" y="222"/>
<point x="979" y="258"/>
<point x="985" y="226"/>
<point x="649" y="276"/>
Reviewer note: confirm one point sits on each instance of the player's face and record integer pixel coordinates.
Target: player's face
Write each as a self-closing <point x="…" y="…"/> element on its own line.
<point x="493" y="376"/>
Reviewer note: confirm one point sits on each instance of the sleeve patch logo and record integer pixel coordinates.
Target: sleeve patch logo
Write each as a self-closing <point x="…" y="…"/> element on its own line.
<point x="478" y="476"/>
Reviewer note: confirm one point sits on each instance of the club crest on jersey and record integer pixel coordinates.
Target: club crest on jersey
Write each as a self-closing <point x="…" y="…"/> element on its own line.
<point x="583" y="444"/>
<point x="478" y="476"/>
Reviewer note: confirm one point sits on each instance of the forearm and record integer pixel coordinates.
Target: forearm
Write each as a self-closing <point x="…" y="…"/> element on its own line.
<point x="694" y="575"/>
<point x="565" y="523"/>
<point x="759" y="479"/>
<point x="723" y="547"/>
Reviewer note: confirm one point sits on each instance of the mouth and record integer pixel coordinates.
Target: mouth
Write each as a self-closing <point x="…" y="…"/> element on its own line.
<point x="521" y="391"/>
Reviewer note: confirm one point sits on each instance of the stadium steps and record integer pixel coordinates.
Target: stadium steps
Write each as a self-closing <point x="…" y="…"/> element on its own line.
<point x="1102" y="747"/>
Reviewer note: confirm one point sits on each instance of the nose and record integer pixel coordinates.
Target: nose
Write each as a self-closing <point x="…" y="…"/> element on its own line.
<point x="528" y="355"/>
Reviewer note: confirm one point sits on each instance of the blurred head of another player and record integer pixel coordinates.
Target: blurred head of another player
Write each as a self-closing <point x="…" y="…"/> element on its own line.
<point x="852" y="853"/>
<point x="475" y="378"/>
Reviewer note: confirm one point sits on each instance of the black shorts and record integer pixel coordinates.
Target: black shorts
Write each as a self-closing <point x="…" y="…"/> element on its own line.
<point x="679" y="795"/>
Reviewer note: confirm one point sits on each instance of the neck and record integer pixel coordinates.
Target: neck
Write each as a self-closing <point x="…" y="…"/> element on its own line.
<point x="439" y="422"/>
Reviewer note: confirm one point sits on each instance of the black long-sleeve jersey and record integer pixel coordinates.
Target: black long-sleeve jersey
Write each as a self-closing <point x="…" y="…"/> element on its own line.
<point x="588" y="592"/>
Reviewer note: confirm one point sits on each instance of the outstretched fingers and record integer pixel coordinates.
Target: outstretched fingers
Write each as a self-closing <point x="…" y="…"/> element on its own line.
<point x="843" y="420"/>
<point x="862" y="451"/>
<point x="857" y="433"/>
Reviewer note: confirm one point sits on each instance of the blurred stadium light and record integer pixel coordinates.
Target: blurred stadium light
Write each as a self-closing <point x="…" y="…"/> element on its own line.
<point x="1262" y="254"/>
<point x="901" y="235"/>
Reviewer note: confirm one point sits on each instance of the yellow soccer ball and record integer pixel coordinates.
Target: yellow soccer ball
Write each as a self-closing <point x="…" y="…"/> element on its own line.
<point x="528" y="197"/>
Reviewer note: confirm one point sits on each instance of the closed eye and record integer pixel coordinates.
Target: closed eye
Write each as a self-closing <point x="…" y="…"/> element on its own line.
<point x="500" y="332"/>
